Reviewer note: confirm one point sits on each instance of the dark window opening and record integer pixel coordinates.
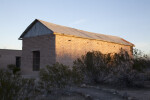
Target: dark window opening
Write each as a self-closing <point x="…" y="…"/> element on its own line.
<point x="36" y="60"/>
<point x="69" y="40"/>
<point x="18" y="62"/>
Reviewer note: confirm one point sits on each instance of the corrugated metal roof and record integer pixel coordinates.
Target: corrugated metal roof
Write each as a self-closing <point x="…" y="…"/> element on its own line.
<point x="80" y="33"/>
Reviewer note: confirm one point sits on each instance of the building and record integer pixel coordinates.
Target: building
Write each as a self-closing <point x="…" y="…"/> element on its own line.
<point x="8" y="57"/>
<point x="45" y="43"/>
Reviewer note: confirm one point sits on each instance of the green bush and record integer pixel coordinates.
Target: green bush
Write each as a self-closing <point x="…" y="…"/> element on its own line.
<point x="141" y="60"/>
<point x="58" y="76"/>
<point x="15" y="70"/>
<point x="98" y="67"/>
<point x="92" y="65"/>
<point x="115" y="69"/>
<point x="76" y="76"/>
<point x="14" y="87"/>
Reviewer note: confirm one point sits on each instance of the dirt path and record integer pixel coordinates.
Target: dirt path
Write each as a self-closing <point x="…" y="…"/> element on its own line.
<point x="138" y="94"/>
<point x="135" y="94"/>
<point x="96" y="94"/>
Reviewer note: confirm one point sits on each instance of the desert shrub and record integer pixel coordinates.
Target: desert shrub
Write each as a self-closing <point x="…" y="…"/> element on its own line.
<point x="58" y="76"/>
<point x="92" y="65"/>
<point x="99" y="67"/>
<point x="141" y="60"/>
<point x="123" y="74"/>
<point x="127" y="78"/>
<point x="13" y="68"/>
<point x="55" y="76"/>
<point x="115" y="69"/>
<point x="14" y="87"/>
<point x="76" y="76"/>
<point x="134" y="70"/>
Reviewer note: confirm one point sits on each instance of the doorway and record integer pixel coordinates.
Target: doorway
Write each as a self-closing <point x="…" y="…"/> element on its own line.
<point x="36" y="60"/>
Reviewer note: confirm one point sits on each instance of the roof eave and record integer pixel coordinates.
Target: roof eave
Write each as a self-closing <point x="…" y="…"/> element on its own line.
<point x="128" y="42"/>
<point x="19" y="38"/>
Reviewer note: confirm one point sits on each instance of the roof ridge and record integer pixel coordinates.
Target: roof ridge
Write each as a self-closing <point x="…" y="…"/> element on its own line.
<point x="53" y="23"/>
<point x="77" y="32"/>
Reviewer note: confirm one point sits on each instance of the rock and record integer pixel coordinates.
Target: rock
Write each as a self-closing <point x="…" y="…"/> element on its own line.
<point x="125" y="95"/>
<point x="83" y="86"/>
<point x="114" y="93"/>
<point x="88" y="97"/>
<point x="97" y="87"/>
<point x="132" y="98"/>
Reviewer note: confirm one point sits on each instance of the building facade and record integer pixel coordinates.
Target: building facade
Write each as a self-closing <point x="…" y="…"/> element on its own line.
<point x="46" y="43"/>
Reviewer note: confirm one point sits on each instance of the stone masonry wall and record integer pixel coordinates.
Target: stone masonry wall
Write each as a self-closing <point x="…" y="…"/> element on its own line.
<point x="8" y="57"/>
<point x="69" y="48"/>
<point x="45" y="44"/>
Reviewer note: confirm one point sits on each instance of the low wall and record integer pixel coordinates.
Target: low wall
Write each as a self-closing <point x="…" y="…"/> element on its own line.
<point x="8" y="57"/>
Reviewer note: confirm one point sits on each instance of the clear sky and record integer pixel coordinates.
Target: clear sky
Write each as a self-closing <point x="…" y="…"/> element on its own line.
<point x="129" y="19"/>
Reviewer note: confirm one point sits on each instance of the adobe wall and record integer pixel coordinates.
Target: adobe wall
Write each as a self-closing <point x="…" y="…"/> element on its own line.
<point x="8" y="57"/>
<point x="69" y="48"/>
<point x="45" y="44"/>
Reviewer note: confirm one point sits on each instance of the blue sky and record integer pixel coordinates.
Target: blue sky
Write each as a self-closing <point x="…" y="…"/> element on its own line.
<point x="129" y="19"/>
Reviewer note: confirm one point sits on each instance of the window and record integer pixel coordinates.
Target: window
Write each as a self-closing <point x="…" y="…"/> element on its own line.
<point x="36" y="60"/>
<point x="18" y="62"/>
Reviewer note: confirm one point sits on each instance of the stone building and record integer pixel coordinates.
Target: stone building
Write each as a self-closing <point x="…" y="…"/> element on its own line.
<point x="45" y="43"/>
<point x="8" y="57"/>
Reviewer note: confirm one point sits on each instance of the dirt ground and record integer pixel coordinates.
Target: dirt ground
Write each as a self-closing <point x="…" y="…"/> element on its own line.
<point x="78" y="93"/>
<point x="98" y="93"/>
<point x="128" y="93"/>
<point x="139" y="94"/>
